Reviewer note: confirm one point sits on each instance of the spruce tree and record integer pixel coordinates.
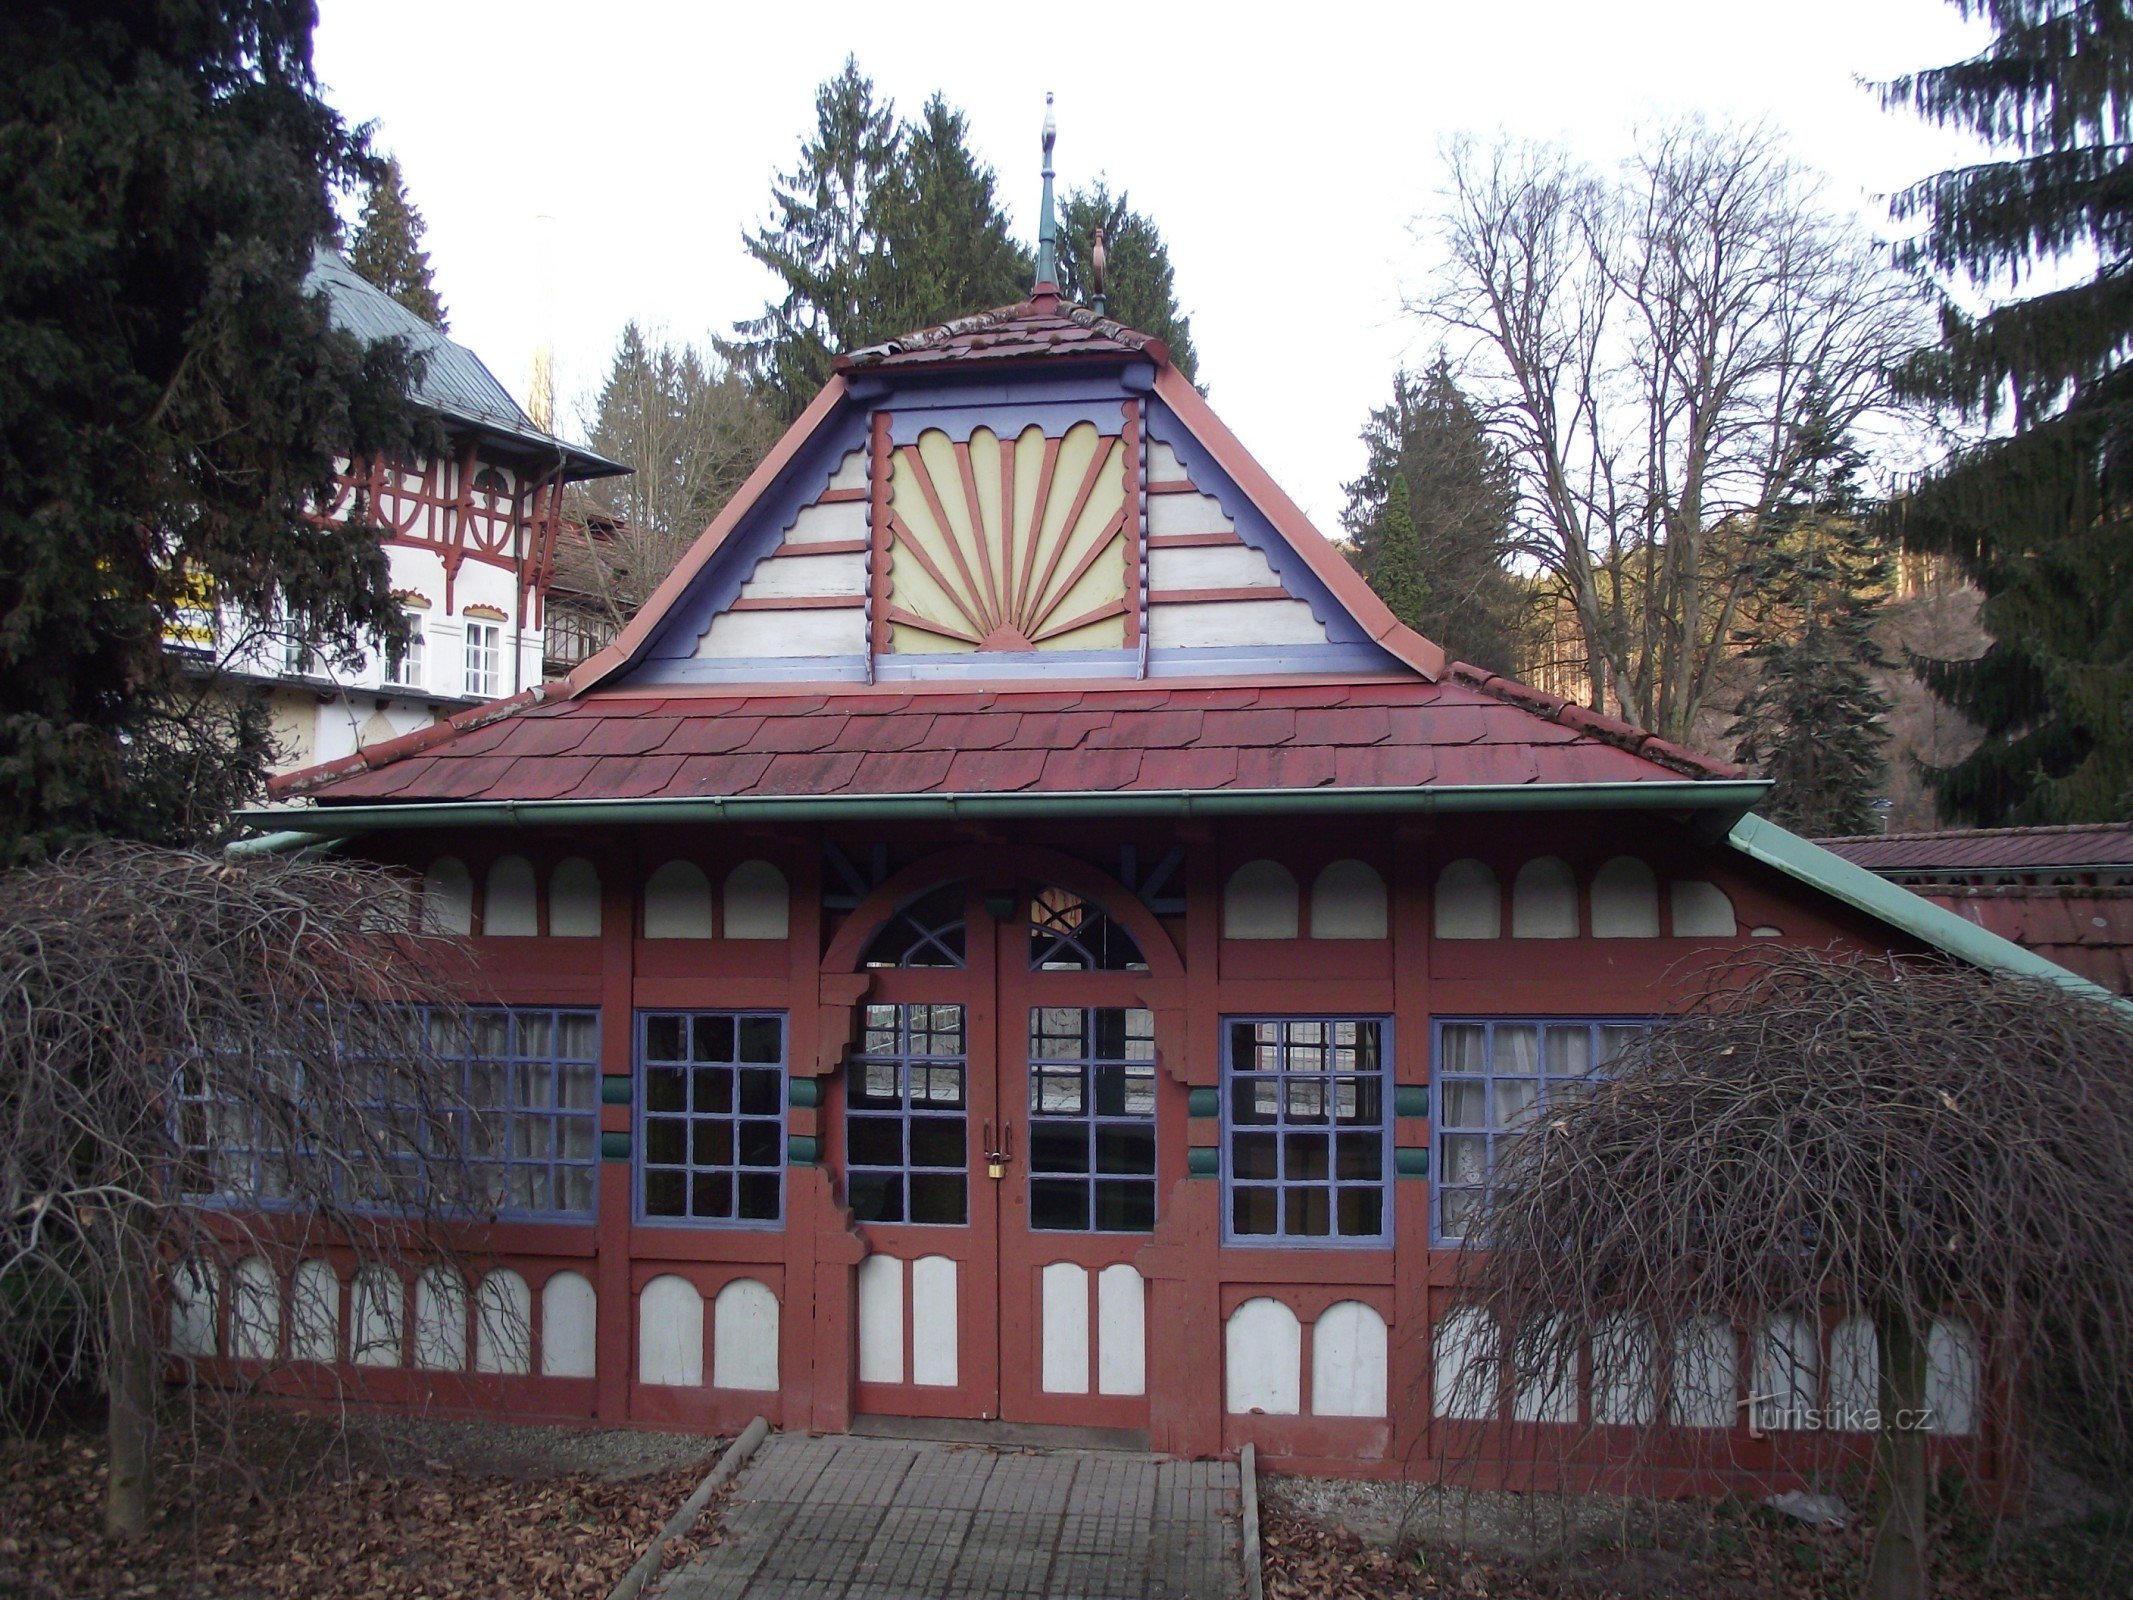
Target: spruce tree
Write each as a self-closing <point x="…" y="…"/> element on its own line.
<point x="824" y="244"/>
<point x="1398" y="574"/>
<point x="947" y="250"/>
<point x="171" y="402"/>
<point x="1430" y="444"/>
<point x="1818" y="571"/>
<point x="2040" y="518"/>
<point x="388" y="251"/>
<point x="1140" y="289"/>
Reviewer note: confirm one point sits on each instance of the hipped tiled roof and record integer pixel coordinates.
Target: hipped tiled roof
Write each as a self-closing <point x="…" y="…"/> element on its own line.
<point x="1471" y="729"/>
<point x="1041" y="326"/>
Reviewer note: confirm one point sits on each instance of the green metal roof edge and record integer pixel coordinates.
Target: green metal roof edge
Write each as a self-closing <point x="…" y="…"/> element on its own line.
<point x="1763" y="840"/>
<point x="1698" y="794"/>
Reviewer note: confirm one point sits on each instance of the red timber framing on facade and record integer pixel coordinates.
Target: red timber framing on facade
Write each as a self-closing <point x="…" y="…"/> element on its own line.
<point x="1012" y="976"/>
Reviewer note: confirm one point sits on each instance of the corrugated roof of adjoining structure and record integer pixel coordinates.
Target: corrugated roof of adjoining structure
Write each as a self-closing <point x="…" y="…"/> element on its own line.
<point x="454" y="381"/>
<point x="2076" y="847"/>
<point x="1135" y="737"/>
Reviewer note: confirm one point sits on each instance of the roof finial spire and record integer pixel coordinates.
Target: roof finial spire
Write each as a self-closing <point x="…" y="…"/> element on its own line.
<point x="1047" y="228"/>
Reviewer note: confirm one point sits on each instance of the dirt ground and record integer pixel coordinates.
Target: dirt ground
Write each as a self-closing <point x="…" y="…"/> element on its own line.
<point x="276" y="1504"/>
<point x="1330" y="1540"/>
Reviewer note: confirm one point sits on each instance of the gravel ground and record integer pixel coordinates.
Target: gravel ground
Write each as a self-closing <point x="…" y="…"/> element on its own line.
<point x="529" y="1451"/>
<point x="1390" y="1514"/>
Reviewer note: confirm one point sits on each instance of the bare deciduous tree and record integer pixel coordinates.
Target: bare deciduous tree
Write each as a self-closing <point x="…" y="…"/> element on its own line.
<point x="1646" y="343"/>
<point x="179" y="1032"/>
<point x="1832" y="1137"/>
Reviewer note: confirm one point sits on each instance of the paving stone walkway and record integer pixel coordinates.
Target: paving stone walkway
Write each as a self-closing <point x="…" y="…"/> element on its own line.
<point x="841" y="1518"/>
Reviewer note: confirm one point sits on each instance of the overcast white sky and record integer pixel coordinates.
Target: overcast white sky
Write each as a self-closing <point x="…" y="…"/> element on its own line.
<point x="1285" y="152"/>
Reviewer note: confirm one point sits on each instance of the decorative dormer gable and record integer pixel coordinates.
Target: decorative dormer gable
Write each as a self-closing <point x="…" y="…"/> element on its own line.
<point x="1033" y="491"/>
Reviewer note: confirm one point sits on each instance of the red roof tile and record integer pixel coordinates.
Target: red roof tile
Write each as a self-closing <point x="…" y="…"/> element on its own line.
<point x="1967" y="850"/>
<point x="1038" y="327"/>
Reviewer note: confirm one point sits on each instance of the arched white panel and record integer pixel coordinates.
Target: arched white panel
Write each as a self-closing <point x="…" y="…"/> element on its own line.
<point x="1263" y="1346"/>
<point x="1463" y="1365"/>
<point x="503" y="1323"/>
<point x="744" y="1336"/>
<point x="1348" y="902"/>
<point x="448" y="896"/>
<point x="569" y="1326"/>
<point x="574" y="899"/>
<point x="1469" y="903"/>
<point x="441" y="1320"/>
<point x="934" y="1353"/>
<point x="1625" y="1373"/>
<point x="377" y="1318"/>
<point x="315" y="1313"/>
<point x="758" y="903"/>
<point x="195" y="1308"/>
<point x="1260" y="902"/>
<point x="1065" y="1344"/>
<point x="507" y="903"/>
<point x="1952" y="1376"/>
<point x="1706" y="1386"/>
<point x="1788" y="1370"/>
<point x="1854" y="1373"/>
<point x="1348" y="1361"/>
<point x="1625" y="900"/>
<point x="677" y="902"/>
<point x="1544" y="900"/>
<point x="881" y="1320"/>
<point x="1121" y="1330"/>
<point x="255" y="1310"/>
<point x="1701" y="910"/>
<point x="670" y="1333"/>
<point x="1547" y="1376"/>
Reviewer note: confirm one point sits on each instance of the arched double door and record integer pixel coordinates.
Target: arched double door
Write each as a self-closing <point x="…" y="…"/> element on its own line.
<point x="1004" y="1136"/>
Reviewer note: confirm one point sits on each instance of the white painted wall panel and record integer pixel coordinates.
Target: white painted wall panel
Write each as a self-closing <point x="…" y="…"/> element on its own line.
<point x="794" y="577"/>
<point x="934" y="1354"/>
<point x="574" y="899"/>
<point x="1187" y="513"/>
<point x="1544" y="900"/>
<point x="1065" y="1328"/>
<point x="569" y="1326"/>
<point x="677" y="902"/>
<point x="1953" y="1376"/>
<point x="1263" y="1359"/>
<point x="1164" y="465"/>
<point x="1232" y="622"/>
<point x="1625" y="900"/>
<point x="1463" y="1365"/>
<point x="851" y="472"/>
<point x="503" y="1323"/>
<point x="441" y="1320"/>
<point x="448" y="896"/>
<point x="1702" y="911"/>
<point x="255" y="1311"/>
<point x="1787" y="1369"/>
<point x="1625" y="1373"/>
<point x="838" y="631"/>
<point x="1233" y="566"/>
<point x="508" y="909"/>
<point x="1348" y="1361"/>
<point x="377" y="1318"/>
<point x="1121" y="1331"/>
<point x="758" y="902"/>
<point x="835" y="523"/>
<point x="881" y="1320"/>
<point x="1547" y="1377"/>
<point x="744" y="1336"/>
<point x="1469" y="904"/>
<point x="670" y="1333"/>
<point x="1260" y="902"/>
<point x="1706" y="1374"/>
<point x="1854" y="1368"/>
<point x="1348" y="902"/>
<point x="315" y="1312"/>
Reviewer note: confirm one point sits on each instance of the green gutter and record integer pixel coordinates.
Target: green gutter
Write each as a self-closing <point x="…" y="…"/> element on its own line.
<point x="1712" y="794"/>
<point x="1897" y="906"/>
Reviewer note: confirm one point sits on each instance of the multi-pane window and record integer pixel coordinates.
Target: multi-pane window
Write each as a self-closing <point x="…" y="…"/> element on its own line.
<point x="411" y="670"/>
<point x="1092" y="1119"/>
<point x="1305" y="1130"/>
<point x="1492" y="1080"/>
<point x="514" y="1116"/>
<point x="926" y="933"/>
<point x="713" y="1128"/>
<point x="1068" y="934"/>
<point x="485" y="660"/>
<point x="906" y="1123"/>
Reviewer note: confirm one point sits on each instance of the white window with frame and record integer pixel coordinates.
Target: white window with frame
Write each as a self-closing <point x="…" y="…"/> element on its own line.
<point x="412" y="670"/>
<point x="485" y="657"/>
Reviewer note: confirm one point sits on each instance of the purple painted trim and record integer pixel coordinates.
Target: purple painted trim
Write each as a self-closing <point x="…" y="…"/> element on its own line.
<point x="1007" y="420"/>
<point x="1242" y="661"/>
<point x="1207" y="475"/>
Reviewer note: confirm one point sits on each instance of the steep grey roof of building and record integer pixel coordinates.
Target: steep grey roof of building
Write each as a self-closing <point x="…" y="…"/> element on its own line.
<point x="454" y="381"/>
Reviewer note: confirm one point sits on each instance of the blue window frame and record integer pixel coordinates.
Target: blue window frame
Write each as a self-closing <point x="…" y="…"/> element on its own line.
<point x="1092" y="1119"/>
<point x="1306" y="1137"/>
<point x="906" y="1119"/>
<point x="1492" y="1077"/>
<point x="711" y="1117"/>
<point x="525" y="1121"/>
